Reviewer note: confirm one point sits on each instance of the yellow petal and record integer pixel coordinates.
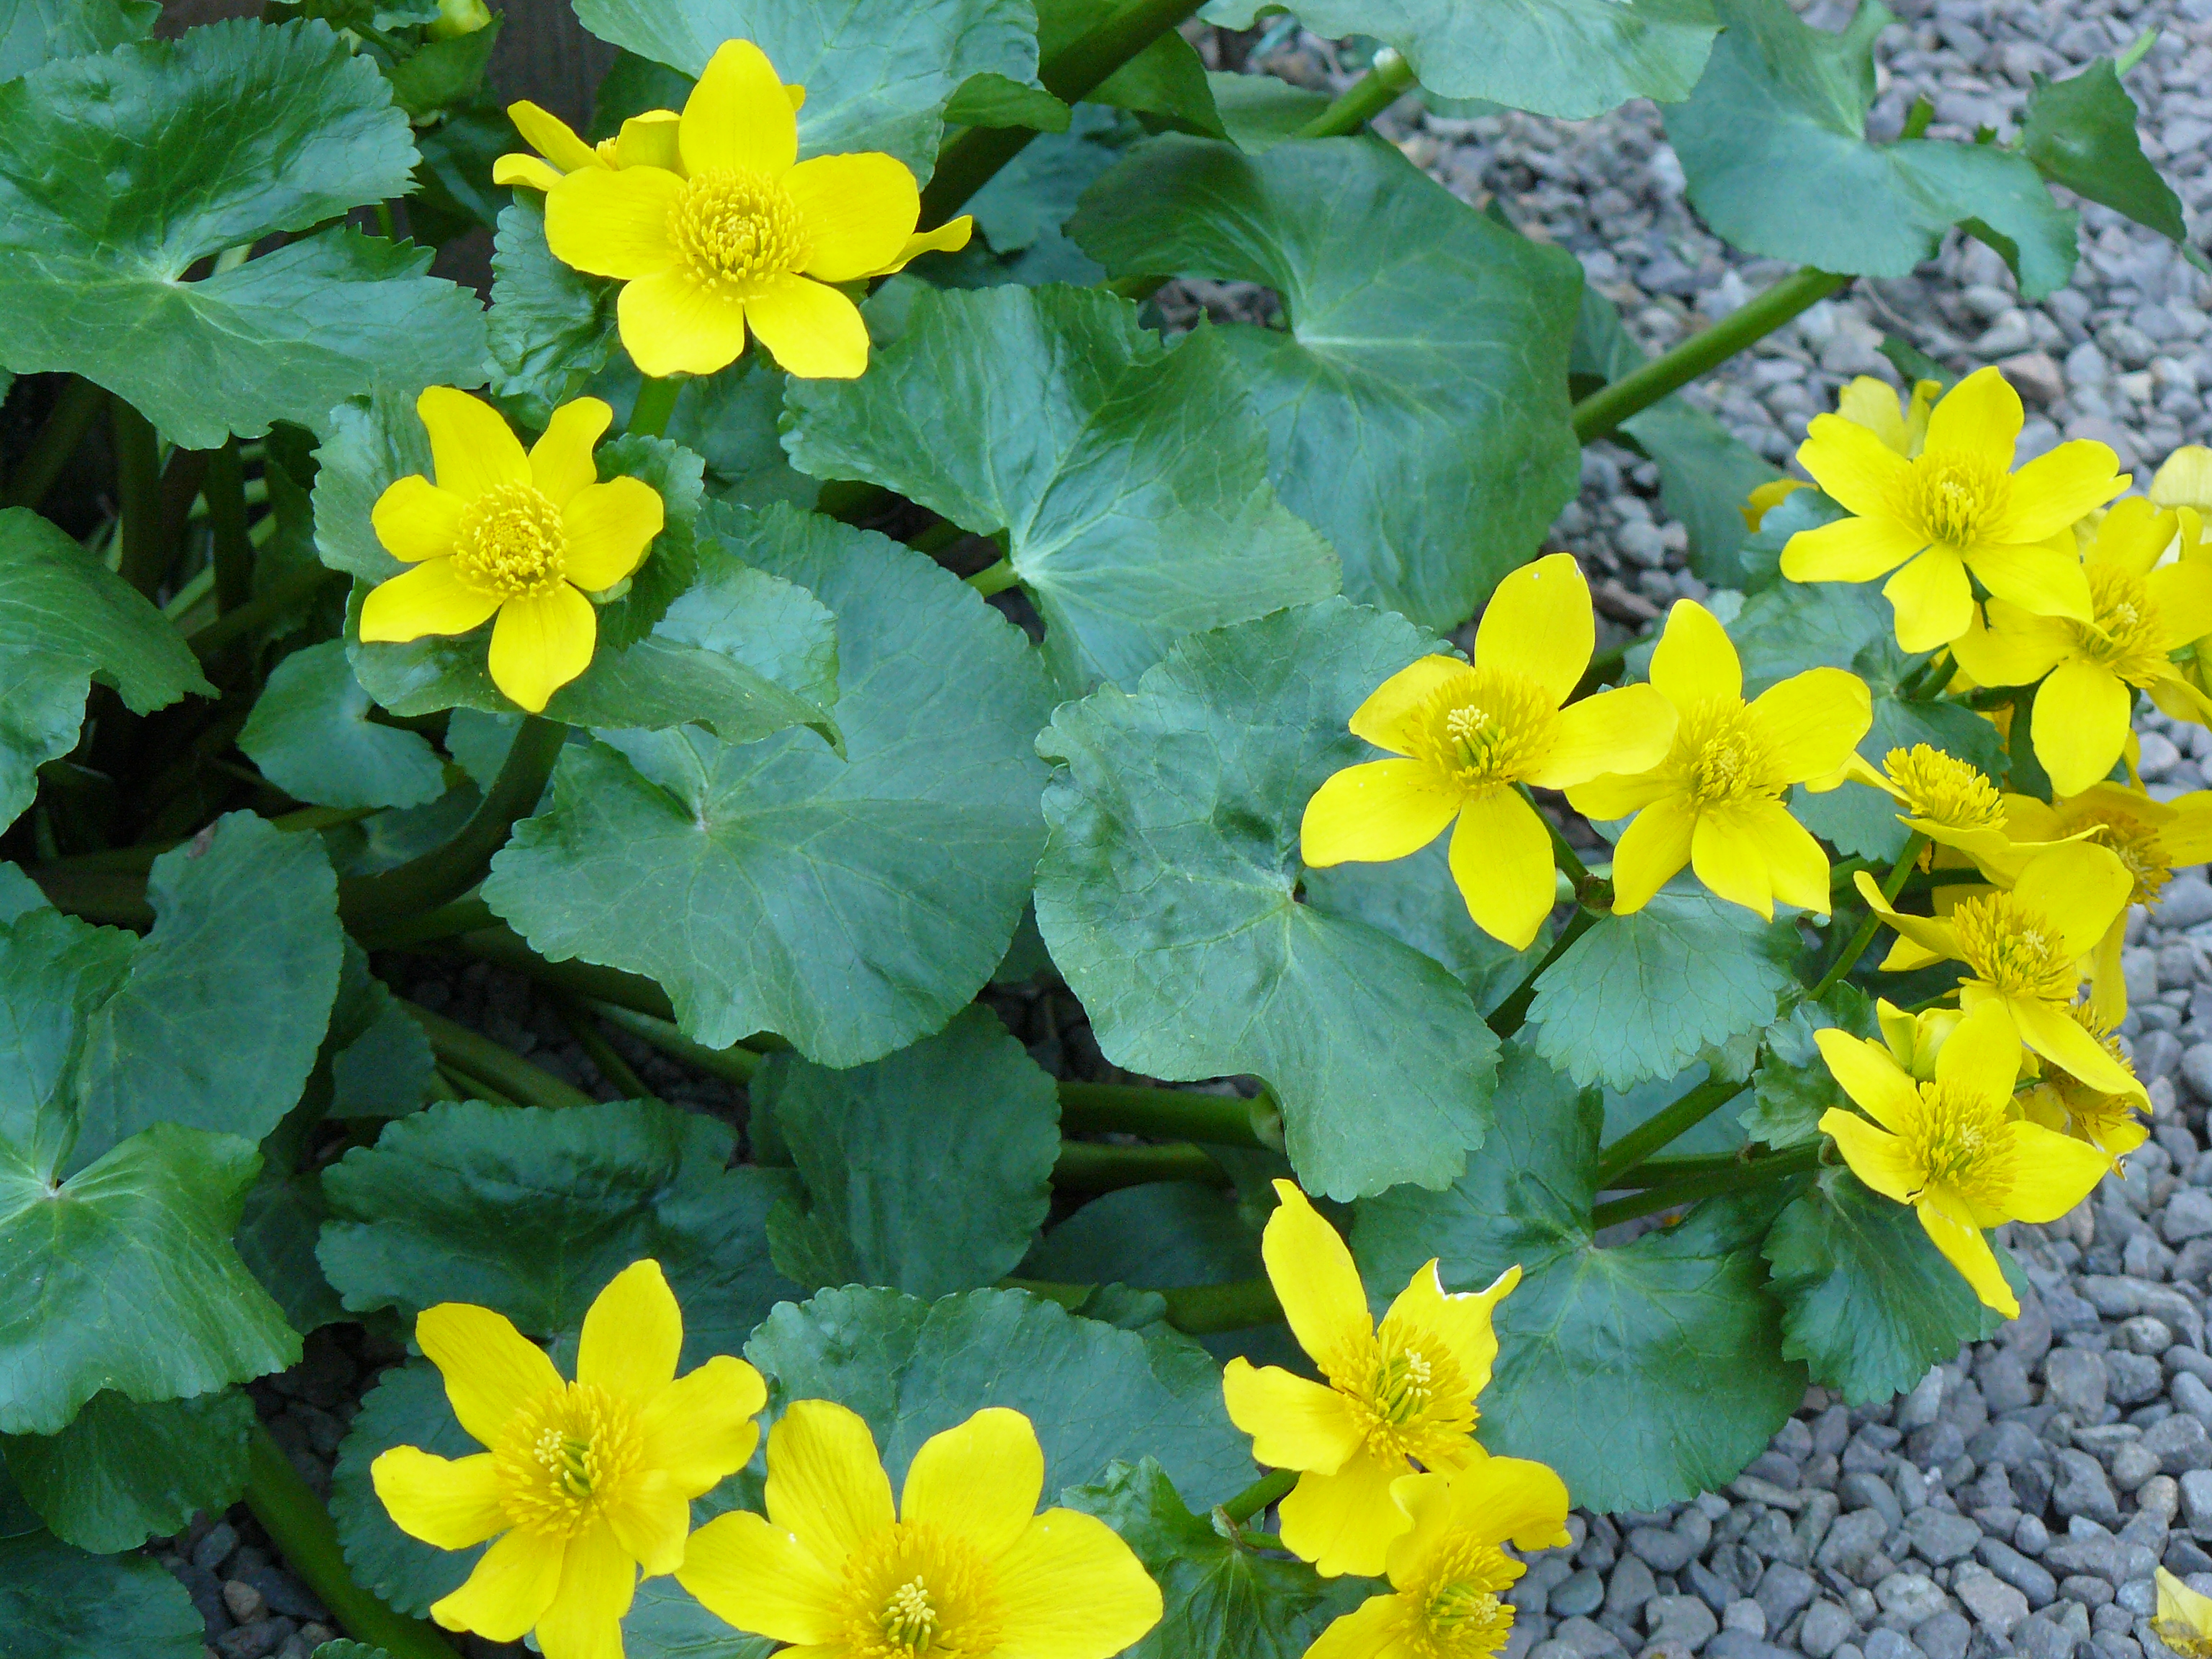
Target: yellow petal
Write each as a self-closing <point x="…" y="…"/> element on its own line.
<point x="1870" y="1075"/>
<point x="738" y="116"/>
<point x="2184" y="479"/>
<point x="551" y="138"/>
<point x="1462" y="1321"/>
<point x="760" y="1578"/>
<point x="1982" y="1054"/>
<point x="1766" y="498"/>
<point x="979" y="1481"/>
<point x="1346" y="1522"/>
<point x="1538" y="624"/>
<point x="490" y="1369"/>
<point x="613" y="221"/>
<point x="672" y="324"/>
<point x="650" y="141"/>
<point x="699" y="1429"/>
<point x="825" y="1482"/>
<point x="1931" y="935"/>
<point x="2080" y="724"/>
<point x="1313" y="1277"/>
<point x="597" y="1579"/>
<point x="473" y="449"/>
<point x="1616" y="794"/>
<point x="811" y="331"/>
<point x="1501" y="860"/>
<point x="1070" y="1589"/>
<point x="1965" y="1248"/>
<point x="1695" y="661"/>
<point x="1295" y="1423"/>
<point x="1381" y="1628"/>
<point x="1933" y="600"/>
<point x="1511" y="1500"/>
<point x="528" y="171"/>
<point x="1877" y="1157"/>
<point x="948" y="237"/>
<point x="858" y="210"/>
<point x="2187" y="836"/>
<point x="561" y="459"/>
<point x="633" y="1333"/>
<point x="651" y="1520"/>
<point x="509" y="1589"/>
<point x="538" y="645"/>
<point x="1813" y="721"/>
<point x="2133" y="537"/>
<point x="1796" y="868"/>
<point x="1626" y="730"/>
<point x="2012" y="649"/>
<point x="453" y="1503"/>
<point x="2038" y="580"/>
<point x="609" y="528"/>
<point x="2054" y="1035"/>
<point x="1854" y="466"/>
<point x="2081" y="886"/>
<point x="2051" y="1172"/>
<point x="1388" y="717"/>
<point x="2183" y="594"/>
<point x="1980" y="416"/>
<point x="1373" y="813"/>
<point x="2181" y="1610"/>
<point x="1850" y="551"/>
<point x="414" y="519"/>
<point x="431" y="598"/>
<point x="1864" y="401"/>
<point x="1650" y="851"/>
<point x="1727" y="858"/>
<point x="2055" y="491"/>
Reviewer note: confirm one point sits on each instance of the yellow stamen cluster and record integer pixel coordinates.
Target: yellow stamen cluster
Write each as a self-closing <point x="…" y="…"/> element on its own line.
<point x="1724" y="757"/>
<point x="2106" y="1121"/>
<point x="1463" y="1615"/>
<point x="1960" y="1141"/>
<point x="2139" y="850"/>
<point x="560" y="1452"/>
<point x="916" y="1590"/>
<point x="1956" y="496"/>
<point x="735" y="227"/>
<point x="1944" y="790"/>
<point x="1486" y="728"/>
<point x="1415" y="1401"/>
<point x="2016" y="948"/>
<point x="510" y="542"/>
<point x="2128" y="636"/>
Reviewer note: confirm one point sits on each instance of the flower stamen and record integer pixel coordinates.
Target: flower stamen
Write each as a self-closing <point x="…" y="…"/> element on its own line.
<point x="736" y="227"/>
<point x="510" y="542"/>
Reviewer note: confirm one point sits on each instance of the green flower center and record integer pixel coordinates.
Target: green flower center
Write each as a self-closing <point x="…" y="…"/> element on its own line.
<point x="736" y="227"/>
<point x="510" y="542"/>
<point x="2016" y="948"/>
<point x="1957" y="497"/>
<point x="562" y="1455"/>
<point x="1486" y="727"/>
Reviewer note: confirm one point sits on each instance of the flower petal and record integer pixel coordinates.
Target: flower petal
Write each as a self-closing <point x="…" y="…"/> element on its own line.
<point x="1982" y="1054"/>
<point x="673" y="324"/>
<point x="561" y="460"/>
<point x="416" y="521"/>
<point x="1616" y="794"/>
<point x="530" y="172"/>
<point x="650" y="141"/>
<point x="597" y="1580"/>
<point x="551" y="136"/>
<point x="701" y="1428"/>
<point x="1374" y="812"/>
<point x="1626" y="730"/>
<point x="1510" y="1499"/>
<point x="948" y="237"/>
<point x="2052" y="1033"/>
<point x="431" y="598"/>
<point x="859" y="211"/>
<point x="490" y="1369"/>
<point x="757" y="1576"/>
<point x="1813" y="721"/>
<point x="1796" y="868"/>
<point x="1853" y="467"/>
<point x="825" y="1482"/>
<point x="1695" y="661"/>
<point x="979" y="1481"/>
<point x="1980" y="416"/>
<point x="2185" y="478"/>
<point x="1933" y="600"/>
<point x="1850" y="549"/>
<point x="2052" y="1173"/>
<point x="509" y="1589"/>
<point x="811" y="331"/>
<point x="613" y="221"/>
<point x="2183" y="594"/>
<point x="1877" y="1157"/>
<point x="1346" y="1522"/>
<point x="1462" y="1321"/>
<point x="651" y="1520"/>
<point x="1295" y="1423"/>
<point x="2012" y="649"/>
<point x="1870" y="1074"/>
<point x="2040" y="579"/>
<point x="1501" y="859"/>
<point x="2081" y="886"/>
<point x="738" y="116"/>
<point x="1381" y="1628"/>
<point x="1729" y="860"/>
<point x="1386" y="718"/>
<point x="1312" y="1272"/>
<point x="1928" y="933"/>
<point x="472" y="448"/>
<point x="1965" y="1248"/>
<point x="2055" y="491"/>
<point x="2187" y="836"/>
<point x="1070" y="1589"/>
<point x="1649" y="852"/>
<point x="453" y="1503"/>
<point x="2080" y="724"/>
<point x="633" y="1333"/>
<point x="608" y="527"/>
<point x="1875" y="405"/>
<point x="1539" y="624"/>
<point x="538" y="645"/>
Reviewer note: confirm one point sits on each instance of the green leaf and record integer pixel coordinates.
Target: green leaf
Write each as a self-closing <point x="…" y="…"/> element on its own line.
<point x="996" y="100"/>
<point x="901" y="1191"/>
<point x="1422" y="383"/>
<point x="311" y="735"/>
<point x="1793" y="626"/>
<point x="277" y="1230"/>
<point x="1033" y="195"/>
<point x="123" y="1472"/>
<point x="1164" y="1235"/>
<point x="56" y="1602"/>
<point x="438" y="74"/>
<point x="551" y="327"/>
<point x="1193" y="788"/>
<point x="877" y="73"/>
<point x="1668" y="1347"/>
<point x="32" y="31"/>
<point x="122" y="1277"/>
<point x="1096" y="1394"/>
<point x="1868" y="1301"/>
<point x="1773" y="145"/>
<point x="2081" y="132"/>
<point x="1130" y="480"/>
<point x="1859" y="820"/>
<point x="854" y="904"/>
<point x="1223" y="1600"/>
<point x="1793" y="1086"/>
<point x="64" y="620"/>
<point x="1639" y="996"/>
<point x="1259" y="111"/>
<point x="123" y="170"/>
<point x="407" y="1408"/>
<point x="54" y="971"/>
<point x="531" y="1211"/>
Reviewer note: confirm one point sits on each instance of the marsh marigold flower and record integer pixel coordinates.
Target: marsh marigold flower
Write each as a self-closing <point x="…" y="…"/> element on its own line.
<point x="1398" y="1397"/>
<point x="1950" y="801"/>
<point x="965" y="1568"/>
<point x="1953" y="1148"/>
<point x="1957" y="507"/>
<point x="2062" y="1102"/>
<point x="645" y="140"/>
<point x="1877" y="406"/>
<point x="2183" y="1621"/>
<point x="1468" y="735"/>
<point x="584" y="1482"/>
<point x="733" y="231"/>
<point x="521" y="538"/>
<point x="1450" y="1571"/>
<point x="1714" y="802"/>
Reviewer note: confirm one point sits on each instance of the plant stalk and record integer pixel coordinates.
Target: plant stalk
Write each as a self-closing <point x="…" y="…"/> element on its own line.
<point x="1859" y="941"/>
<point x="1506" y="1019"/>
<point x="297" y="588"/>
<point x="1270" y="1488"/>
<point x="71" y="417"/>
<point x="1167" y="1114"/>
<point x="1201" y="1309"/>
<point x="1364" y="99"/>
<point x="224" y="489"/>
<point x="1750" y="1172"/>
<point x="503" y="946"/>
<point x="460" y="1049"/>
<point x="138" y="494"/>
<point x="602" y="1055"/>
<point x="656" y="401"/>
<point x="732" y="1065"/>
<point x="1091" y="1166"/>
<point x="1663" y="1128"/>
<point x="994" y="578"/>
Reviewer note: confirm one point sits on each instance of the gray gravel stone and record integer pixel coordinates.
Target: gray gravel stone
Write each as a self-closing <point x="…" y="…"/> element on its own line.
<point x="2180" y="1443"/>
<point x="2196" y="1500"/>
<point x="1662" y="1548"/>
<point x="1911" y="1597"/>
<point x="2028" y="1577"/>
<point x="2075" y="1380"/>
<point x="1683" y="1619"/>
<point x="1940" y="1539"/>
<point x="2040" y="1638"/>
<point x="1996" y="1605"/>
<point x="1826" y="1628"/>
<point x="2082" y="1489"/>
<point x="1581" y="1593"/>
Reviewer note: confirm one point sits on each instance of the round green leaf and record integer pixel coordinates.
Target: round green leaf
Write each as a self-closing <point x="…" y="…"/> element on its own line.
<point x="123" y="1472"/>
<point x="56" y="1602"/>
<point x="1193" y="788"/>
<point x="1164" y="1235"/>
<point x="311" y="735"/>
<point x="2081" y="132"/>
<point x="32" y="31"/>
<point x="407" y="1408"/>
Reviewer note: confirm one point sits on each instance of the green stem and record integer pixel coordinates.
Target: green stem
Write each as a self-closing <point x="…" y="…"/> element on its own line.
<point x="503" y="946"/>
<point x="656" y="401"/>
<point x="224" y="490"/>
<point x="1365" y="99"/>
<point x="1857" y="944"/>
<point x="1506" y="1019"/>
<point x="1091" y="1166"/>
<point x="458" y="1048"/>
<point x="995" y="578"/>
<point x="1662" y="1172"/>
<point x="463" y="915"/>
<point x="602" y="1055"/>
<point x="299" y="1525"/>
<point x="368" y="902"/>
<point x="1564" y="856"/>
<point x="1748" y="1172"/>
<point x="283" y="595"/>
<point x="1168" y="1113"/>
<point x="138" y="492"/>
<point x="1271" y="1488"/>
<point x="731" y="1065"/>
<point x="1663" y="1128"/>
<point x="71" y="417"/>
<point x="1201" y="1309"/>
<point x="1609" y="406"/>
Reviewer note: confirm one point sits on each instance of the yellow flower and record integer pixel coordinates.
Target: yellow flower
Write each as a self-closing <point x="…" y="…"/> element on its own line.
<point x="734" y="230"/>
<point x="1958" y="507"/>
<point x="2143" y="614"/>
<point x="2184" y="479"/>
<point x="1948" y="800"/>
<point x="646" y="140"/>
<point x="2024" y="949"/>
<point x="2184" y="1618"/>
<point x="521" y="536"/>
<point x="2108" y="1122"/>
<point x="1873" y="404"/>
<point x="1398" y="1397"/>
<point x="1450" y="1571"/>
<point x="966" y="1569"/>
<point x="1468" y="735"/>
<point x="1952" y="1147"/>
<point x="585" y="1482"/>
<point x="1915" y="1039"/>
<point x="1714" y="801"/>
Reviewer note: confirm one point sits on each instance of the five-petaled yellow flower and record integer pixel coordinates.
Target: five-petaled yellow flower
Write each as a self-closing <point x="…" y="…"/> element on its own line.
<point x="1877" y="406"/>
<point x="732" y="230"/>
<point x="2025" y="949"/>
<point x="966" y="1567"/>
<point x="1450" y="1572"/>
<point x="1469" y="735"/>
<point x="1952" y="1147"/>
<point x="1950" y="801"/>
<point x="1399" y="1398"/>
<point x="2143" y="615"/>
<point x="645" y="140"/>
<point x="524" y="537"/>
<point x="1714" y="801"/>
<point x="1958" y="507"/>
<point x="2184" y="1618"/>
<point x="584" y="1482"/>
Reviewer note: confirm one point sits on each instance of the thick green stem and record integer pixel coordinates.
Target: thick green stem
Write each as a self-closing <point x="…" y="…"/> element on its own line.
<point x="1506" y="1019"/>
<point x="1749" y="1172"/>
<point x="224" y="489"/>
<point x="503" y="946"/>
<point x="263" y="608"/>
<point x="656" y="401"/>
<point x="368" y="902"/>
<point x="1268" y="1489"/>
<point x="138" y="493"/>
<point x="461" y="1049"/>
<point x="602" y="1055"/>
<point x="74" y="411"/>
<point x="1091" y="1166"/>
<point x="1664" y="1127"/>
<point x="1365" y="99"/>
<point x="1855" y="946"/>
<point x="299" y="1525"/>
<point x="1565" y="857"/>
<point x="463" y="915"/>
<point x="1607" y="407"/>
<point x="994" y="578"/>
<point x="1201" y="1309"/>
<point x="1664" y="1171"/>
<point x="731" y="1065"/>
<point x="1169" y="1113"/>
